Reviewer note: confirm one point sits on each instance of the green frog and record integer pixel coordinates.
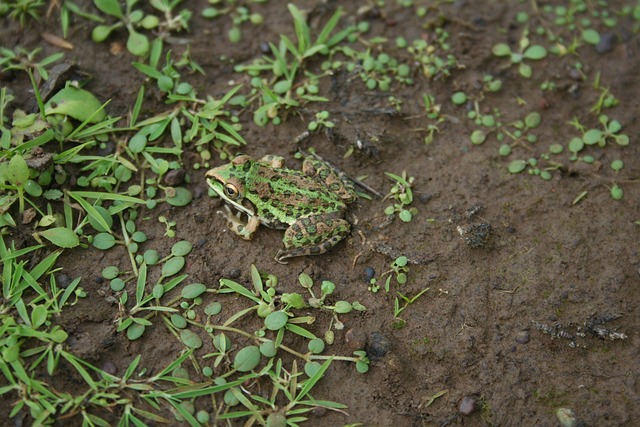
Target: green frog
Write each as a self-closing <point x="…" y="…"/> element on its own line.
<point x="309" y="204"/>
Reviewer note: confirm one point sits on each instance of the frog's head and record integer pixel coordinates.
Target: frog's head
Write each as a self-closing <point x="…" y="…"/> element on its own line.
<point x="228" y="182"/>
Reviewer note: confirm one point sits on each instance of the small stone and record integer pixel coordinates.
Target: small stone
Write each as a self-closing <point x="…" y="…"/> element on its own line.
<point x="607" y="42"/>
<point x="425" y="197"/>
<point x="62" y="280"/>
<point x="175" y="177"/>
<point x="319" y="411"/>
<point x="110" y="368"/>
<point x="107" y="148"/>
<point x="369" y="273"/>
<point x="378" y="346"/>
<point x="522" y="337"/>
<point x="355" y="340"/>
<point x="566" y="417"/>
<point x="233" y="274"/>
<point x="467" y="405"/>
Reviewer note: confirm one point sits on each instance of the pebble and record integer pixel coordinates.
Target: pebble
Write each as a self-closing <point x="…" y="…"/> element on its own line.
<point x="607" y="42"/>
<point x="233" y="274"/>
<point x="425" y="197"/>
<point x="355" y="340"/>
<point x="378" y="346"/>
<point x="369" y="273"/>
<point x="175" y="177"/>
<point x="467" y="405"/>
<point x="62" y="280"/>
<point x="522" y="337"/>
<point x="110" y="368"/>
<point x="566" y="417"/>
<point x="106" y="148"/>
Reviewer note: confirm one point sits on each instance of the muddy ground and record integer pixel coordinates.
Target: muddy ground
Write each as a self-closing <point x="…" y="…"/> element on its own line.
<point x="550" y="265"/>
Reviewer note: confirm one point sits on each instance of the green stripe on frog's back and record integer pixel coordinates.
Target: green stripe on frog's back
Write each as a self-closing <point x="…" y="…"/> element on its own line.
<point x="283" y="195"/>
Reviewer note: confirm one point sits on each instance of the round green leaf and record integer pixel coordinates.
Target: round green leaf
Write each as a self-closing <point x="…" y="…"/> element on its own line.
<point x="182" y="248"/>
<point x="592" y="136"/>
<point x="276" y="320"/>
<point x="135" y="331"/>
<point x="504" y="150"/>
<point x="405" y="215"/>
<point x="178" y="321"/>
<point x="18" y="171"/>
<point x="501" y="49"/>
<point x="32" y="188"/>
<point x="459" y="98"/>
<point x="172" y="266"/>
<point x="151" y="257"/>
<point x="137" y="43"/>
<point x="110" y="272"/>
<point x="316" y="346"/>
<point x="103" y="241"/>
<point x="138" y="142"/>
<point x="576" y="144"/>
<point x="312" y="368"/>
<point x="282" y="86"/>
<point x="181" y="198"/>
<point x="139" y="237"/>
<point x="100" y="33"/>
<point x="76" y="103"/>
<point x="556" y="148"/>
<point x="61" y="236"/>
<point x="616" y="165"/>
<point x="591" y="36"/>
<point x="616" y="192"/>
<point x="213" y="308"/>
<point x="157" y="291"/>
<point x="533" y="120"/>
<point x="517" y="166"/>
<point x="58" y="336"/>
<point x="478" y="137"/>
<point x="342" y="307"/>
<point x="535" y="52"/>
<point x="190" y="338"/>
<point x="362" y="367"/>
<point x="193" y="290"/>
<point x="525" y="70"/>
<point x="247" y="359"/>
<point x="268" y="349"/>
<point x="117" y="284"/>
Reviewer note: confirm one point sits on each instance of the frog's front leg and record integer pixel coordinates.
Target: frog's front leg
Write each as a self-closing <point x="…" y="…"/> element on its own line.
<point x="312" y="235"/>
<point x="239" y="227"/>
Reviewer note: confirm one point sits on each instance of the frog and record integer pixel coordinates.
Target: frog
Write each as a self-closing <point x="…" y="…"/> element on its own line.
<point x="309" y="204"/>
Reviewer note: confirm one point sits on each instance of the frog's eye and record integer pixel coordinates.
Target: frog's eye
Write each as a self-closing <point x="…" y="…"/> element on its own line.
<point x="231" y="191"/>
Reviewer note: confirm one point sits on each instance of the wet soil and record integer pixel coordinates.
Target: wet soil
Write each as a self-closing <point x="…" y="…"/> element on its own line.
<point x="492" y="330"/>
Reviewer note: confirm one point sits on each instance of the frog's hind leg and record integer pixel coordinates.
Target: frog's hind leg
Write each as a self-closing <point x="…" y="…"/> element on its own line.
<point x="336" y="180"/>
<point x="309" y="237"/>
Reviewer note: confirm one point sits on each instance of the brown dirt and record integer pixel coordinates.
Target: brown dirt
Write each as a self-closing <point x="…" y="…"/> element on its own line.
<point x="549" y="260"/>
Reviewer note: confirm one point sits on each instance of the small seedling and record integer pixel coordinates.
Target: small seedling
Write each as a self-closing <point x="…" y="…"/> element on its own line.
<point x="525" y="51"/>
<point x="402" y="194"/>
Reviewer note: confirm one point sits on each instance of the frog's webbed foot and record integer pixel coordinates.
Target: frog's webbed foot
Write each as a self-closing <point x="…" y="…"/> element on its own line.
<point x="239" y="227"/>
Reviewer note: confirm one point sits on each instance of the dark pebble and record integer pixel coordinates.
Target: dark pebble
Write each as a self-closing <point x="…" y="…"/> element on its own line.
<point x="369" y="273"/>
<point x="467" y="405"/>
<point x="576" y="75"/>
<point x="109" y="147"/>
<point x="175" y="177"/>
<point x="378" y="346"/>
<point x="110" y="368"/>
<point x="425" y="197"/>
<point x="607" y="42"/>
<point x="233" y="274"/>
<point x="355" y="340"/>
<point x="522" y="337"/>
<point x="200" y="243"/>
<point x="98" y="279"/>
<point x="62" y="280"/>
<point x="199" y="218"/>
<point x="264" y="48"/>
